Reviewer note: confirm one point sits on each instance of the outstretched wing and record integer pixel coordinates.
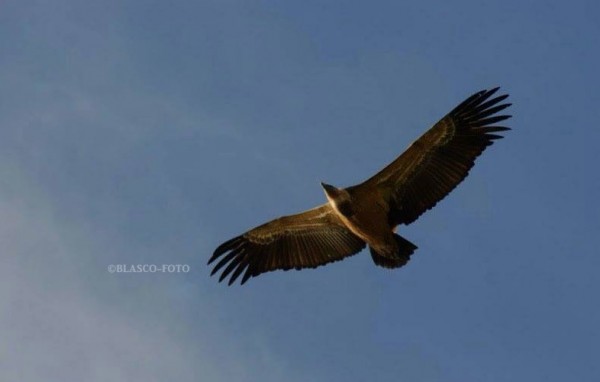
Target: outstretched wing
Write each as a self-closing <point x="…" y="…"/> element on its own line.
<point x="441" y="158"/>
<point x="305" y="240"/>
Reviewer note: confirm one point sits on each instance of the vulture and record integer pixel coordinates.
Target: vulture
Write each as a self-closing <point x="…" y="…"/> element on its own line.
<point x="367" y="214"/>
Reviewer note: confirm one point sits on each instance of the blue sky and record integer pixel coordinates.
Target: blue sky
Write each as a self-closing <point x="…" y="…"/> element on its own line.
<point x="148" y="132"/>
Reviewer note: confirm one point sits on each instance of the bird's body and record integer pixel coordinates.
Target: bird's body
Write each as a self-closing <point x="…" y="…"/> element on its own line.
<point x="361" y="211"/>
<point x="368" y="213"/>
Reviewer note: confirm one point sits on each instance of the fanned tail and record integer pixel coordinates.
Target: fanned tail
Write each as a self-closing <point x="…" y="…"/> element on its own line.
<point x="405" y="250"/>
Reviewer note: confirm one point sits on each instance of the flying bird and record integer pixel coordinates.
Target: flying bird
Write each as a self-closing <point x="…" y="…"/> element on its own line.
<point x="368" y="213"/>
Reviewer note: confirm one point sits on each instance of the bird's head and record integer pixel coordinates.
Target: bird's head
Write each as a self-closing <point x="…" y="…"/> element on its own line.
<point x="338" y="198"/>
<point x="333" y="193"/>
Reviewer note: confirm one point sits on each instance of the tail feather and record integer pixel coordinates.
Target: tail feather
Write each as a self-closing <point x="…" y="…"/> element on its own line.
<point x="405" y="249"/>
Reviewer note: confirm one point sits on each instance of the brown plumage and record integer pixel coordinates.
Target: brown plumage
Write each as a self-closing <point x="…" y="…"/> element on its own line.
<point x="368" y="213"/>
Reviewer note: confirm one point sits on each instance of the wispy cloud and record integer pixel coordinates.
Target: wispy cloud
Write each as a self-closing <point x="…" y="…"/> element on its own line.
<point x="64" y="317"/>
